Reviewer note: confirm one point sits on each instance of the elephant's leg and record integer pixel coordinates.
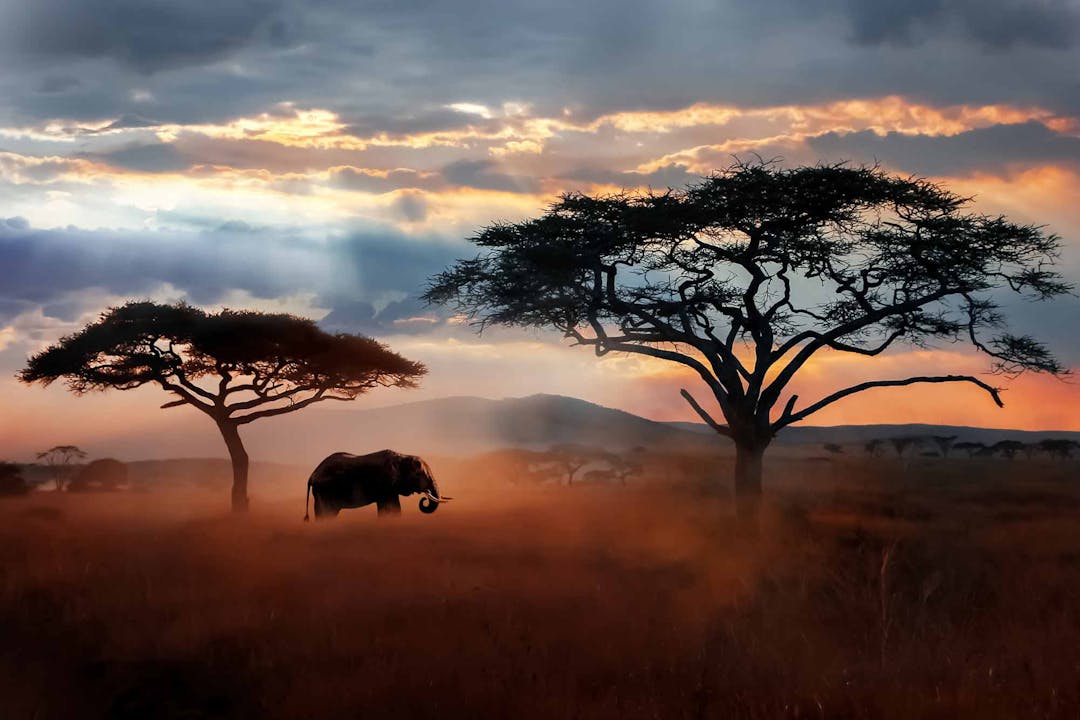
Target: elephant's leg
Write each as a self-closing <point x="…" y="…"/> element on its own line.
<point x="389" y="507"/>
<point x="325" y="510"/>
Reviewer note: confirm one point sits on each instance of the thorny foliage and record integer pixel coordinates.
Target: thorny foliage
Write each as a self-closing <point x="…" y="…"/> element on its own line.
<point x="747" y="274"/>
<point x="236" y="366"/>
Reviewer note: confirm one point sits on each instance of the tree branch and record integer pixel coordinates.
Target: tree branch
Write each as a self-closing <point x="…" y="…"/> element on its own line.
<point x="188" y="398"/>
<point x="722" y="429"/>
<point x="787" y="418"/>
<point x="318" y="397"/>
<point x="821" y="340"/>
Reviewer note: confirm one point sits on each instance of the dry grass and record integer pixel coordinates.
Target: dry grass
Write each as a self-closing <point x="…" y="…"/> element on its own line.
<point x="946" y="589"/>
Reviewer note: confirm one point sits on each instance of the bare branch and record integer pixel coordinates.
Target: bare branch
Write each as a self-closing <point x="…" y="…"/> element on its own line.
<point x="722" y="429"/>
<point x="188" y="398"/>
<point x="300" y="404"/>
<point x="788" y="417"/>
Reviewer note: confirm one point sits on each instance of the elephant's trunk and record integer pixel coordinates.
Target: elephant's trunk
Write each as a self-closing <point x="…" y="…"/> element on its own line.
<point x="431" y="499"/>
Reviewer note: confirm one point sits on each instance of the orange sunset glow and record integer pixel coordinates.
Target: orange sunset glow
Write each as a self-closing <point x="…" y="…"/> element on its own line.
<point x="539" y="360"/>
<point x="316" y="197"/>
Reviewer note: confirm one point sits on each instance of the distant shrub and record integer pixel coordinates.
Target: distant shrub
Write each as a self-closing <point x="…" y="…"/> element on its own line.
<point x="12" y="481"/>
<point x="901" y="444"/>
<point x="1057" y="448"/>
<point x="971" y="448"/>
<point x="104" y="474"/>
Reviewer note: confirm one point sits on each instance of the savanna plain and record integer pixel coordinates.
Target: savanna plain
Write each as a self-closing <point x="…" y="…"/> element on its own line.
<point x="873" y="588"/>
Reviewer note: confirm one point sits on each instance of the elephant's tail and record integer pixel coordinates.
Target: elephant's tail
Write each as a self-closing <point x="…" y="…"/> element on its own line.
<point x="307" y="501"/>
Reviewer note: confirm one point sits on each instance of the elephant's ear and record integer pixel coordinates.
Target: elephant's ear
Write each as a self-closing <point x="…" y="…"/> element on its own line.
<point x="395" y="470"/>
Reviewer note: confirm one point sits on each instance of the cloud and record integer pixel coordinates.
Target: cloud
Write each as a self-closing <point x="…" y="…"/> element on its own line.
<point x="482" y="174"/>
<point x="408" y="316"/>
<point x="991" y="149"/>
<point x="351" y="274"/>
<point x="411" y="206"/>
<point x="666" y="176"/>
<point x="130" y="120"/>
<point x="365" y="180"/>
<point x="991" y="24"/>
<point x="409" y="67"/>
<point x="146" y="35"/>
<point x="57" y="84"/>
<point x="41" y="266"/>
<point x="155" y="157"/>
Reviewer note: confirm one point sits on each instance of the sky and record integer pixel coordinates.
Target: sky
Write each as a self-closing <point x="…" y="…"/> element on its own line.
<point x="325" y="157"/>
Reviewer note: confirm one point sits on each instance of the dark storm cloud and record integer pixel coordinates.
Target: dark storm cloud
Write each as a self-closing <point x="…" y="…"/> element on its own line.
<point x="991" y="149"/>
<point x="483" y="175"/>
<point x="40" y="266"/>
<point x="154" y="158"/>
<point x="57" y="84"/>
<point x="147" y="35"/>
<point x="43" y="268"/>
<point x="411" y="206"/>
<point x="350" y="178"/>
<point x="409" y="316"/>
<point x="375" y="265"/>
<point x="391" y="66"/>
<point x="434" y="120"/>
<point x="993" y="24"/>
<point x="351" y="316"/>
<point x="129" y="121"/>
<point x="384" y="262"/>
<point x="669" y="176"/>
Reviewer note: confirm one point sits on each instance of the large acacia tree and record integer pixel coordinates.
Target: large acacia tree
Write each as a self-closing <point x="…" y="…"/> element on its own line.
<point x="748" y="274"/>
<point x="234" y="366"/>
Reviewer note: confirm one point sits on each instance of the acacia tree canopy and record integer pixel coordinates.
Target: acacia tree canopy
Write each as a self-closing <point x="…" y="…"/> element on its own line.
<point x="235" y="366"/>
<point x="746" y="275"/>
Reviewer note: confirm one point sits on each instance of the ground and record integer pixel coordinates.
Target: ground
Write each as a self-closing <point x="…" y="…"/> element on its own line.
<point x="874" y="589"/>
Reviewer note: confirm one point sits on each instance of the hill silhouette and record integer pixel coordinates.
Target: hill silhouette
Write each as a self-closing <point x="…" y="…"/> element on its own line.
<point x="859" y="434"/>
<point x="466" y="425"/>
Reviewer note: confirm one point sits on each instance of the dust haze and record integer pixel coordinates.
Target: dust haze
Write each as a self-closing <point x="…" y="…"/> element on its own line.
<point x="876" y="586"/>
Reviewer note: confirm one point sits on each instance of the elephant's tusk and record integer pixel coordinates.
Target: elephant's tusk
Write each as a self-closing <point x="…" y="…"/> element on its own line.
<point x="434" y="498"/>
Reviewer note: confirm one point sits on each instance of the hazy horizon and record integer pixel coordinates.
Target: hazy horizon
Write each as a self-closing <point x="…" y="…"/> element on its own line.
<point x="326" y="159"/>
<point x="188" y="435"/>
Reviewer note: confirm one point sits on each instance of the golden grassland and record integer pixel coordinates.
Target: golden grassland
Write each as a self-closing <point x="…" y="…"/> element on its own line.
<point x="945" y="588"/>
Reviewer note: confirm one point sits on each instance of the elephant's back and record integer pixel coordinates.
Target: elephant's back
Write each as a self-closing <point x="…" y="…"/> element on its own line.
<point x="341" y="464"/>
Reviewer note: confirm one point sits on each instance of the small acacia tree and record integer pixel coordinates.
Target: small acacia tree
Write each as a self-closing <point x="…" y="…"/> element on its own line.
<point x="11" y="480"/>
<point x="944" y="443"/>
<point x="59" y="460"/>
<point x="747" y="275"/>
<point x="234" y="366"/>
<point x="571" y="457"/>
<point x="969" y="447"/>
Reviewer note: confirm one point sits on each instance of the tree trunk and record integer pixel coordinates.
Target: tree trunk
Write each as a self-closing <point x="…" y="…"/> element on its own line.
<point x="748" y="462"/>
<point x="239" y="458"/>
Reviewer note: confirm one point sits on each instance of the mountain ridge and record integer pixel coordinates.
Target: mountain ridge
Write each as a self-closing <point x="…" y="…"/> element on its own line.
<point x="466" y="424"/>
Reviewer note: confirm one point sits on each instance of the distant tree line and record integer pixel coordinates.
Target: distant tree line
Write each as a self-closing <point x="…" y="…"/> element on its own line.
<point x="1056" y="448"/>
<point x="64" y="473"/>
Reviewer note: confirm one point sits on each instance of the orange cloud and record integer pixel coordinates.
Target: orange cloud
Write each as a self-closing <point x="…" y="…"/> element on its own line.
<point x="1041" y="195"/>
<point x="882" y="115"/>
<point x="511" y="129"/>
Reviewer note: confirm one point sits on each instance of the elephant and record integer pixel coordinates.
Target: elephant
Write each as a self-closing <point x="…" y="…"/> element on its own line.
<point x="344" y="480"/>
